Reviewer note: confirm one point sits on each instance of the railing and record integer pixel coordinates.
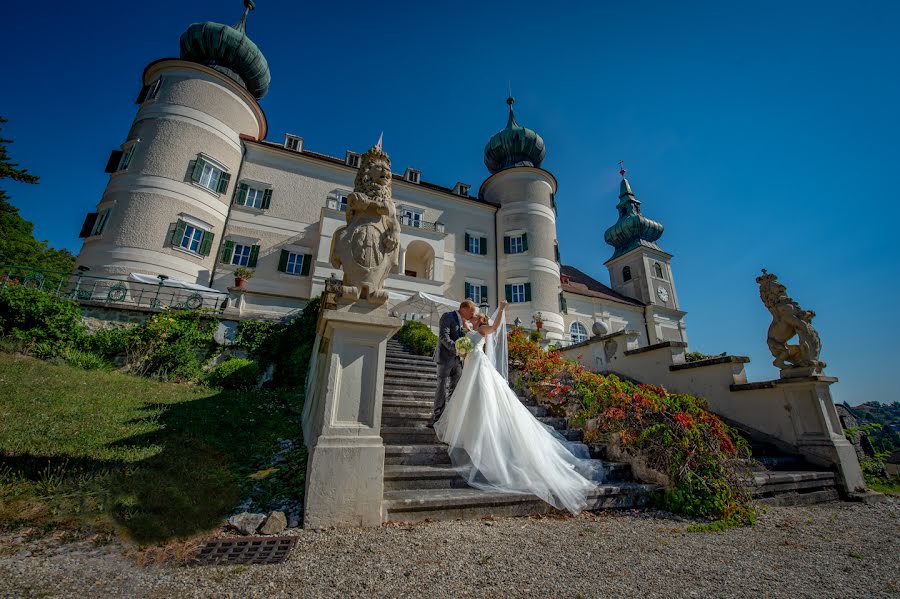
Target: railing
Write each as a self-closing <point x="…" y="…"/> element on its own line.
<point x="83" y="287"/>
<point x="406" y="221"/>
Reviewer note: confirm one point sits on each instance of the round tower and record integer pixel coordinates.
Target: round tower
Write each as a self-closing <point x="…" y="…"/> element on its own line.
<point x="527" y="265"/>
<point x="173" y="177"/>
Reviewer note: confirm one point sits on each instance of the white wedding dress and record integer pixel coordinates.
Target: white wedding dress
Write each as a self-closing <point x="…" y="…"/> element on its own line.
<point x="498" y="445"/>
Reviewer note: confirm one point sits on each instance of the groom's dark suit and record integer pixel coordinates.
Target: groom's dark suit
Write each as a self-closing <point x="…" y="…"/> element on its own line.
<point x="449" y="365"/>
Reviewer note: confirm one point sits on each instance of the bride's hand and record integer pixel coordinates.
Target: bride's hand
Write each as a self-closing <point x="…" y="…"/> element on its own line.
<point x="503" y="304"/>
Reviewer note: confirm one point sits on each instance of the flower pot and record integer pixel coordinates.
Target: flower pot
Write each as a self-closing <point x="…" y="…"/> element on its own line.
<point x="240" y="283"/>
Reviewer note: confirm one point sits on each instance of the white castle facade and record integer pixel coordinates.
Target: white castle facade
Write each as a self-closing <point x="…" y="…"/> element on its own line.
<point x="196" y="191"/>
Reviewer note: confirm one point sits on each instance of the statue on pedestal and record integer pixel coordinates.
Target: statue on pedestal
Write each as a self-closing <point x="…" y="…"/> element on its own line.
<point x="788" y="319"/>
<point x="369" y="246"/>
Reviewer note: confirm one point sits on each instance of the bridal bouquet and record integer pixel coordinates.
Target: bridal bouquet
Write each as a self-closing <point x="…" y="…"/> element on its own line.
<point x="464" y="346"/>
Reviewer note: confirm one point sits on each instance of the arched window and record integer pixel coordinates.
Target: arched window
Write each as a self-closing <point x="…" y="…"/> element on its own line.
<point x="659" y="271"/>
<point x="626" y="273"/>
<point x="578" y="332"/>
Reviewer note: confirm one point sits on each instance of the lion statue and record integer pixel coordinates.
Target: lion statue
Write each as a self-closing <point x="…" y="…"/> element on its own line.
<point x="788" y="320"/>
<point x="368" y="247"/>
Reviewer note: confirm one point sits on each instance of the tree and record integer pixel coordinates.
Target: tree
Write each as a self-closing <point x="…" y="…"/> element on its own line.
<point x="17" y="243"/>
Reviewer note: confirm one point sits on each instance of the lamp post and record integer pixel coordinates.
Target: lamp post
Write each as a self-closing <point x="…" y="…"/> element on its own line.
<point x="483" y="307"/>
<point x="162" y="279"/>
<point x="517" y="322"/>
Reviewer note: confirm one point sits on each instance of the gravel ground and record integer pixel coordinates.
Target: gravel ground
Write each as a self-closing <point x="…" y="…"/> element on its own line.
<point x="831" y="550"/>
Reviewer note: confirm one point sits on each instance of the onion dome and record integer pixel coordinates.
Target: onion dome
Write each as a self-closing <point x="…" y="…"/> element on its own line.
<point x="633" y="229"/>
<point x="229" y="51"/>
<point x="513" y="146"/>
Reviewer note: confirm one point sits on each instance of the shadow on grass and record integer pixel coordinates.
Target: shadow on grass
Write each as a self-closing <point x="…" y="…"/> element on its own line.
<point x="201" y="455"/>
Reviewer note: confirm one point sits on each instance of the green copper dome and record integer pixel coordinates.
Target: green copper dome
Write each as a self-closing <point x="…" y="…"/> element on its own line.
<point x="513" y="146"/>
<point x="633" y="229"/>
<point x="228" y="50"/>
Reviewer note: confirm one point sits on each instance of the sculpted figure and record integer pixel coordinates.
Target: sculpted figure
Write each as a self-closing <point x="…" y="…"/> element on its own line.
<point x="368" y="247"/>
<point x="788" y="319"/>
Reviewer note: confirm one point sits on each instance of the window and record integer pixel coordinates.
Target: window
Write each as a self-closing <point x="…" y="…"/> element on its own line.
<point x="515" y="244"/>
<point x="411" y="273"/>
<point x="342" y="202"/>
<point x="293" y="143"/>
<point x="210" y="176"/>
<point x="148" y="92"/>
<point x="352" y="159"/>
<point x="412" y="175"/>
<point x="293" y="263"/>
<point x="517" y="293"/>
<point x="657" y="268"/>
<point x="563" y="304"/>
<point x="253" y="196"/>
<point x="461" y="189"/>
<point x="240" y="254"/>
<point x="476" y="244"/>
<point x="579" y="332"/>
<point x="120" y="159"/>
<point x="476" y="292"/>
<point x="556" y="250"/>
<point x="101" y="223"/>
<point x="191" y="236"/>
<point x="626" y="274"/>
<point x="411" y="217"/>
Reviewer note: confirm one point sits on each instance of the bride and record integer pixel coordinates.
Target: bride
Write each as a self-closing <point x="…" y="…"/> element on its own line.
<point x="495" y="442"/>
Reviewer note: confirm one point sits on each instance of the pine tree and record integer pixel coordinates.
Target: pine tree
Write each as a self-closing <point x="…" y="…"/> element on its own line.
<point x="17" y="243"/>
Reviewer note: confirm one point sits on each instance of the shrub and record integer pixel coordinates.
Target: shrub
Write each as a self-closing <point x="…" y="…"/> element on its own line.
<point x="418" y="336"/>
<point x="235" y="373"/>
<point x="33" y="316"/>
<point x="260" y="338"/>
<point x="176" y="361"/>
<point x="109" y="343"/>
<point x="171" y="346"/>
<point x="85" y="359"/>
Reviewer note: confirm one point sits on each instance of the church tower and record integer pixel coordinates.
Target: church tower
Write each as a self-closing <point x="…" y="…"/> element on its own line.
<point x="527" y="265"/>
<point x="639" y="268"/>
<point x="173" y="178"/>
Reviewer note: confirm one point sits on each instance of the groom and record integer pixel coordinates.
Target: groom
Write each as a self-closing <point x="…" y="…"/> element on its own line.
<point x="449" y="366"/>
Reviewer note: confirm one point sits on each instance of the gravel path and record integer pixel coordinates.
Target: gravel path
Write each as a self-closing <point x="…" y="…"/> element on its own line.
<point x="831" y="550"/>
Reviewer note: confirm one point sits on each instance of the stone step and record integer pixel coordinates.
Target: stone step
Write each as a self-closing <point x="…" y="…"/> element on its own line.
<point x="398" y="356"/>
<point x="407" y="435"/>
<point x="410" y="384"/>
<point x="417" y="394"/>
<point x="781" y="462"/>
<point x="405" y="419"/>
<point x="804" y="481"/>
<point x="449" y="504"/>
<point x="399" y="367"/>
<point x="416" y="454"/>
<point x="408" y="477"/>
<point x="573" y="434"/>
<point x="556" y="422"/>
<point x="537" y="411"/>
<point x="809" y="498"/>
<point x="402" y="376"/>
<point x="408" y="404"/>
<point x="599" y="451"/>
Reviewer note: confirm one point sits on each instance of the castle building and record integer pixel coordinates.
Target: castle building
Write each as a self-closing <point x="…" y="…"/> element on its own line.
<point x="196" y="191"/>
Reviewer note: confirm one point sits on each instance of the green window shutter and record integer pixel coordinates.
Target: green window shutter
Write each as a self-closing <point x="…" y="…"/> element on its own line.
<point x="227" y="251"/>
<point x="307" y="263"/>
<point x="527" y="292"/>
<point x="112" y="165"/>
<point x="267" y="199"/>
<point x="468" y="291"/>
<point x="206" y="243"/>
<point x="509" y="293"/>
<point x="563" y="306"/>
<point x="483" y="246"/>
<point x="556" y="251"/>
<point x="484" y="296"/>
<point x="222" y="187"/>
<point x="88" y="224"/>
<point x="178" y="233"/>
<point x="524" y="242"/>
<point x="467" y="242"/>
<point x="142" y="95"/>
<point x="240" y="197"/>
<point x="506" y="244"/>
<point x="254" y="255"/>
<point x="282" y="260"/>
<point x="198" y="170"/>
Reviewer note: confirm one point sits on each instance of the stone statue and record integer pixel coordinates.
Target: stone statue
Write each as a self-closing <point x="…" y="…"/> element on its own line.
<point x="788" y="319"/>
<point x="369" y="246"/>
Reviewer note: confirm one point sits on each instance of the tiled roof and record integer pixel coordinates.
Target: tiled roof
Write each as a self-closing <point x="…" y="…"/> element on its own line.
<point x="341" y="161"/>
<point x="575" y="281"/>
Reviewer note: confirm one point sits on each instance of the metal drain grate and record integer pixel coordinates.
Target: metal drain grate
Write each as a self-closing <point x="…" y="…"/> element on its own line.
<point x="245" y="550"/>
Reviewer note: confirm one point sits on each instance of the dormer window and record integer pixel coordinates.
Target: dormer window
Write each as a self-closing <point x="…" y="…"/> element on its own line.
<point x="412" y="175"/>
<point x="626" y="274"/>
<point x="352" y="159"/>
<point x="293" y="143"/>
<point x="461" y="189"/>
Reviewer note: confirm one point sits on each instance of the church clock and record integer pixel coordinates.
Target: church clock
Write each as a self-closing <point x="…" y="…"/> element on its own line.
<point x="663" y="293"/>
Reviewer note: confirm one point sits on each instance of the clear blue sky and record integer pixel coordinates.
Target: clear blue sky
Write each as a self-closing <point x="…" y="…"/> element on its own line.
<point x="760" y="134"/>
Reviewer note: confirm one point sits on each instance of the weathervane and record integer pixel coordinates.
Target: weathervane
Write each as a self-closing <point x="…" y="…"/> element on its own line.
<point x="622" y="170"/>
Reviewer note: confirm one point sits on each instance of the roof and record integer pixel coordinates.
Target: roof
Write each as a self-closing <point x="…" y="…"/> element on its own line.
<point x="581" y="284"/>
<point x="342" y="162"/>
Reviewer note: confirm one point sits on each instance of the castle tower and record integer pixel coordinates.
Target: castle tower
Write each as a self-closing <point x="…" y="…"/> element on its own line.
<point x="639" y="268"/>
<point x="527" y="266"/>
<point x="173" y="178"/>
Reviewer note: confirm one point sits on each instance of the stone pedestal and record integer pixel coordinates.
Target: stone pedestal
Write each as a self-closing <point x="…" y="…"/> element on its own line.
<point x="818" y="430"/>
<point x="342" y="418"/>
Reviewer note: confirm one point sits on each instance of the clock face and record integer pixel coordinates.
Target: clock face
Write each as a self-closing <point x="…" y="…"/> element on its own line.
<point x="663" y="293"/>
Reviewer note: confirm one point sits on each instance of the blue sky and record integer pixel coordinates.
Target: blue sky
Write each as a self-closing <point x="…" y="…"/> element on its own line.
<point x="760" y="134"/>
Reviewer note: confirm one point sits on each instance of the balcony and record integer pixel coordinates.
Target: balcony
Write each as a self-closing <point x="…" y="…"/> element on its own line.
<point x="416" y="223"/>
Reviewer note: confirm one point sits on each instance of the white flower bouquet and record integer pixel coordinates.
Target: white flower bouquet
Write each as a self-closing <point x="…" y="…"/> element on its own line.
<point x="464" y="346"/>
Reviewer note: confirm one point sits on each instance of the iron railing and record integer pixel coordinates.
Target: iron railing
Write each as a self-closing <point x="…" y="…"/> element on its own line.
<point x="407" y="221"/>
<point x="82" y="287"/>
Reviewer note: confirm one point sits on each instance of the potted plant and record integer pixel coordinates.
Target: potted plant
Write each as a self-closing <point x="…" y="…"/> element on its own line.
<point x="539" y="321"/>
<point x="241" y="276"/>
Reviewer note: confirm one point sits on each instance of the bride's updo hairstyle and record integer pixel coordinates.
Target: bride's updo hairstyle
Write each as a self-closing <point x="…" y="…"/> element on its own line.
<point x="481" y="319"/>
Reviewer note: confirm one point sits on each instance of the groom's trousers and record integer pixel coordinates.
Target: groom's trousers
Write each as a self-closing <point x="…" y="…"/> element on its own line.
<point x="448" y="375"/>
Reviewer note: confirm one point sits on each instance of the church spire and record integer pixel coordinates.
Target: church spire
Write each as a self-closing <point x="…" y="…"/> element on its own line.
<point x="633" y="229"/>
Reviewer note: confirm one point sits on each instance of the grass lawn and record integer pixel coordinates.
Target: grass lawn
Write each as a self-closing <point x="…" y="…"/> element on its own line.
<point x="105" y="452"/>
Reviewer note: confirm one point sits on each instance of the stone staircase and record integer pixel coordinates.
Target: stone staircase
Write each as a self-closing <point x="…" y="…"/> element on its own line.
<point x="419" y="483"/>
<point x="785" y="479"/>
